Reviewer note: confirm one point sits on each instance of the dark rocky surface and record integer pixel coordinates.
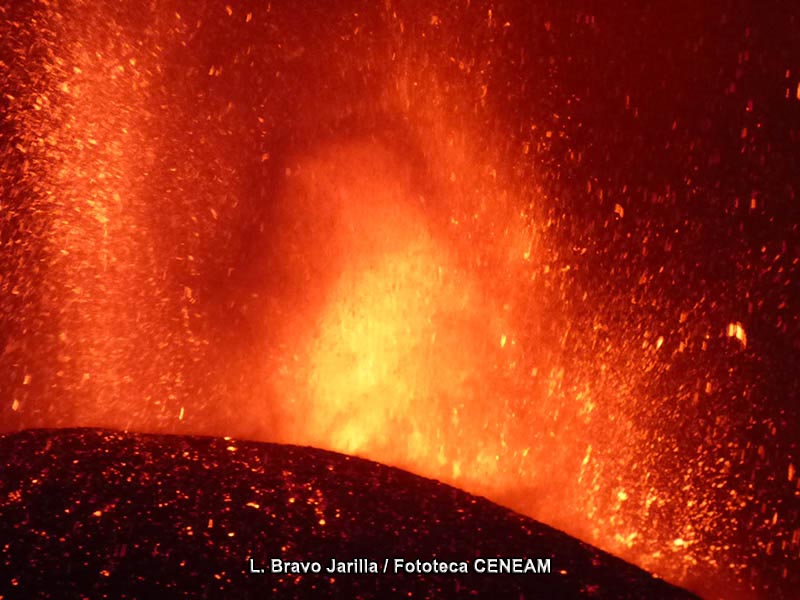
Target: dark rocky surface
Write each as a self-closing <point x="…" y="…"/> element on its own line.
<point x="103" y="514"/>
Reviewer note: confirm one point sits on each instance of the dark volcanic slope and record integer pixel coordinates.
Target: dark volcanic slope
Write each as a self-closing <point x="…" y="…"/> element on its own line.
<point x="106" y="514"/>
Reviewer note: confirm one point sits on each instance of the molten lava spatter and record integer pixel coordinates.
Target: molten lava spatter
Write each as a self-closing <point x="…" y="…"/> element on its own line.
<point x="398" y="341"/>
<point x="545" y="252"/>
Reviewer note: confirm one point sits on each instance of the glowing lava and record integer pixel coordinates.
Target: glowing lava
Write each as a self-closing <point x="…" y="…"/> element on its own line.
<point x="402" y="338"/>
<point x="460" y="240"/>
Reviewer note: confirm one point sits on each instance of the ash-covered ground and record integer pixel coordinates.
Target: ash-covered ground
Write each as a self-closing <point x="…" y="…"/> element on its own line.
<point x="87" y="513"/>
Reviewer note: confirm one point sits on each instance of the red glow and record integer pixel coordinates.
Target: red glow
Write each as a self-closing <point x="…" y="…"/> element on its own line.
<point x="392" y="282"/>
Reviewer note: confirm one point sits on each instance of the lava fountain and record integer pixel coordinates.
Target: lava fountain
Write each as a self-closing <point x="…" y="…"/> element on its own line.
<point x="434" y="236"/>
<point x="399" y="327"/>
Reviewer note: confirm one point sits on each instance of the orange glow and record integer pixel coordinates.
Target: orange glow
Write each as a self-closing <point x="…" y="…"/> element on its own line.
<point x="378" y="272"/>
<point x="405" y="339"/>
